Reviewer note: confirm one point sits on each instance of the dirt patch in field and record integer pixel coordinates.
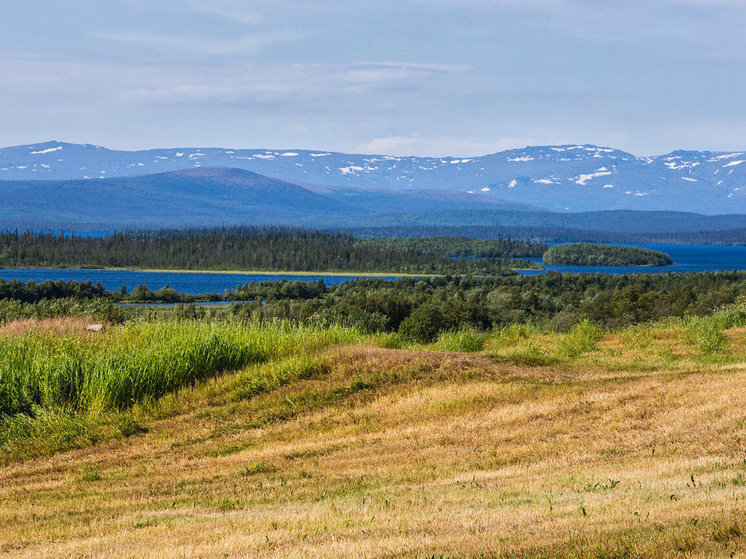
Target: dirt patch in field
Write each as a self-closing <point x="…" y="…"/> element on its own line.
<point x="447" y="366"/>
<point x="60" y="325"/>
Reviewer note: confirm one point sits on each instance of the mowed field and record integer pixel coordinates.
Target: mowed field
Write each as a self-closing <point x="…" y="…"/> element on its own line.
<point x="588" y="444"/>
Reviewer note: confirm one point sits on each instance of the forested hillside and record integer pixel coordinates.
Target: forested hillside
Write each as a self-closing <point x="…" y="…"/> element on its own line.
<point x="558" y="234"/>
<point x="265" y="249"/>
<point x="462" y="247"/>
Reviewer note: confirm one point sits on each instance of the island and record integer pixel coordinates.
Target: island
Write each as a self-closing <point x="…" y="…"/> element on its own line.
<point x="594" y="254"/>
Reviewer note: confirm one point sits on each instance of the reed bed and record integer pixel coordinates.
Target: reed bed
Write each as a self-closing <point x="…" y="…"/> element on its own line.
<point x="111" y="371"/>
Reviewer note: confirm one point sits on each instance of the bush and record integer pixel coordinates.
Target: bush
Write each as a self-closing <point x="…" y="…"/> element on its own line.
<point x="709" y="339"/>
<point x="733" y="316"/>
<point x="462" y="341"/>
<point x="425" y="323"/>
<point x="511" y="335"/>
<point x="581" y="339"/>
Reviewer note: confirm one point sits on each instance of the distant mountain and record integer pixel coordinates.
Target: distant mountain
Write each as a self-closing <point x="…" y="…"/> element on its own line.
<point x="559" y="178"/>
<point x="611" y="221"/>
<point x="207" y="196"/>
<point x="557" y="234"/>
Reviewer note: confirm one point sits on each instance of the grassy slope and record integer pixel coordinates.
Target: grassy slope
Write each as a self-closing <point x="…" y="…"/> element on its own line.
<point x="628" y="445"/>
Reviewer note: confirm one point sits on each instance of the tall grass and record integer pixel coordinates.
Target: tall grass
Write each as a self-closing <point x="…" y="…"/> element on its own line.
<point x="708" y="338"/>
<point x="62" y="391"/>
<point x="101" y="309"/>
<point x="464" y="340"/>
<point x="136" y="361"/>
<point x="581" y="339"/>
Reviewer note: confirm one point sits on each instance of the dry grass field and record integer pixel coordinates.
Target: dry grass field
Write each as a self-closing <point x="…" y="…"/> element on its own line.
<point x="585" y="445"/>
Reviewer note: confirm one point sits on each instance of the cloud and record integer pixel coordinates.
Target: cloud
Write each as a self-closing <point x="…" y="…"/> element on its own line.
<point x="278" y="83"/>
<point x="242" y="44"/>
<point x="391" y="145"/>
<point x="710" y="4"/>
<point x="186" y="82"/>
<point x="422" y="145"/>
<point x="236" y="11"/>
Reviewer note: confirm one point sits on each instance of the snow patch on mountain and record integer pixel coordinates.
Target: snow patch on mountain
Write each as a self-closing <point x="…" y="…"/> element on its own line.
<point x="42" y="151"/>
<point x="583" y="179"/>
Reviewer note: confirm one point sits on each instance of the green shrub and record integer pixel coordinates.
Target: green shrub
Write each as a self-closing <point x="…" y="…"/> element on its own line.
<point x="580" y="339"/>
<point x="390" y="341"/>
<point x="511" y="335"/>
<point x="461" y="340"/>
<point x="733" y="316"/>
<point x="425" y="323"/>
<point x="708" y="339"/>
<point x="531" y="355"/>
<point x="101" y="309"/>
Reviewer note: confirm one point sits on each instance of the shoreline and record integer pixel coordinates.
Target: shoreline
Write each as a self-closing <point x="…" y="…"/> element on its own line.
<point x="231" y="272"/>
<point x="256" y="272"/>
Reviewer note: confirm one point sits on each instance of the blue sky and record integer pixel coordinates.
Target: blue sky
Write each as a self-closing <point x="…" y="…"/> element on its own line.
<point x="436" y="77"/>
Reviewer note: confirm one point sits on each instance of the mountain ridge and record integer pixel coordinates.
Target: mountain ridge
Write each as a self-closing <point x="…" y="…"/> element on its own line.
<point x="206" y="197"/>
<point x="570" y="177"/>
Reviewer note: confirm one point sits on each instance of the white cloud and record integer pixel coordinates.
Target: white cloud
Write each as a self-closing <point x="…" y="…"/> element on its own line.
<point x="709" y="4"/>
<point x="289" y="83"/>
<point x="391" y="145"/>
<point x="237" y="11"/>
<point x="422" y="145"/>
<point x="242" y="44"/>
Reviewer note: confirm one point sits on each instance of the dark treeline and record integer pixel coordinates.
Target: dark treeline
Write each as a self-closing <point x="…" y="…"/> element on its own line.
<point x="420" y="308"/>
<point x="558" y="235"/>
<point x="251" y="248"/>
<point x="463" y="247"/>
<point x="593" y="254"/>
<point x="33" y="292"/>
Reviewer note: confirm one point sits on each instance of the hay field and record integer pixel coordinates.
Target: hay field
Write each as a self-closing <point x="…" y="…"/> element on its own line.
<point x="531" y="444"/>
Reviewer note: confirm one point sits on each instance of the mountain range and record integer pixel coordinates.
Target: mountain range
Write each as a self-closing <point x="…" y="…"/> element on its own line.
<point x="209" y="196"/>
<point x="570" y="187"/>
<point x="559" y="178"/>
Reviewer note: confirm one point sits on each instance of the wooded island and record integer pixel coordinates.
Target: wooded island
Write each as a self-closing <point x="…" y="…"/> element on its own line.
<point x="593" y="254"/>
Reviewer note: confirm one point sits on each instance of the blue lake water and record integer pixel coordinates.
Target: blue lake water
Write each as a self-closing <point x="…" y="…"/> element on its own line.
<point x="687" y="258"/>
<point x="194" y="283"/>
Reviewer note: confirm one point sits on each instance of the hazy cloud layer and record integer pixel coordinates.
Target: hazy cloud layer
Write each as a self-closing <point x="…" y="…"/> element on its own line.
<point x="438" y="77"/>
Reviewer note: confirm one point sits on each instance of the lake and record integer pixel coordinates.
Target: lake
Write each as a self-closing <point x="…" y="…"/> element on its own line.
<point x="193" y="283"/>
<point x="687" y="258"/>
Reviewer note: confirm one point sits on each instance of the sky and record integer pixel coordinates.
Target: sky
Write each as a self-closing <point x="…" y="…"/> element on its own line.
<point x="398" y="77"/>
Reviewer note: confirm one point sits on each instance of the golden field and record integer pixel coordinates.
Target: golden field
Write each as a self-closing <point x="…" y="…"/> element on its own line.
<point x="588" y="444"/>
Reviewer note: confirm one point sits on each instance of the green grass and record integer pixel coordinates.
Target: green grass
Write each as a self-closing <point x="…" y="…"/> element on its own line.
<point x="541" y="444"/>
<point x="60" y="391"/>
<point x="581" y="339"/>
<point x="137" y="361"/>
<point x="462" y="340"/>
<point x="101" y="309"/>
